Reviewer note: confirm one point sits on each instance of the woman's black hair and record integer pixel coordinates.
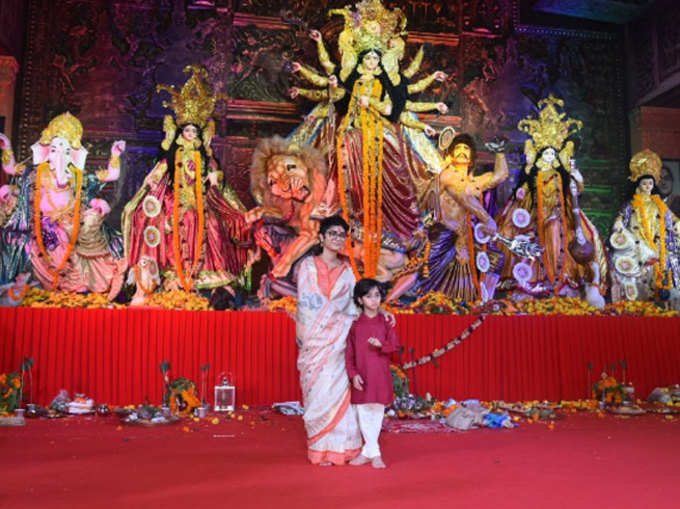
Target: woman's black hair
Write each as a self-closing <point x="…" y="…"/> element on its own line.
<point x="328" y="222"/>
<point x="398" y="94"/>
<point x="530" y="178"/>
<point x="364" y="286"/>
<point x="169" y="155"/>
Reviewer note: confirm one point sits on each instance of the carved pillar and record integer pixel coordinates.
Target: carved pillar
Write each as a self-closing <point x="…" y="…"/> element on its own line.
<point x="8" y="72"/>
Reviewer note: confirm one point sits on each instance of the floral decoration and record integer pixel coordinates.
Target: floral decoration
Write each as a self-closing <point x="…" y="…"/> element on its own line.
<point x="10" y="389"/>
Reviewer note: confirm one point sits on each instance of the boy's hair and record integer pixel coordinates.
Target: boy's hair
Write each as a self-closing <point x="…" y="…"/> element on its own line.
<point x="328" y="222"/>
<point x="364" y="286"/>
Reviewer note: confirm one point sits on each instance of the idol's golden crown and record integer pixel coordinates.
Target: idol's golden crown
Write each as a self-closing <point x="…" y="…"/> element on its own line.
<point x="371" y="25"/>
<point x="551" y="128"/>
<point x="195" y="103"/>
<point x="645" y="163"/>
<point x="64" y="126"/>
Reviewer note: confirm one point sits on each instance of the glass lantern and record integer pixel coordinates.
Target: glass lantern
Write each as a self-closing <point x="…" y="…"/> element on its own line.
<point x="225" y="396"/>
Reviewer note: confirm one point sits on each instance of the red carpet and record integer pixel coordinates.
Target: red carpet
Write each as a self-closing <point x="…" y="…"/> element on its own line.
<point x="584" y="462"/>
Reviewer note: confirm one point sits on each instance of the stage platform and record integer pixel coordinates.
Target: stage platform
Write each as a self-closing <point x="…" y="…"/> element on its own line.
<point x="113" y="356"/>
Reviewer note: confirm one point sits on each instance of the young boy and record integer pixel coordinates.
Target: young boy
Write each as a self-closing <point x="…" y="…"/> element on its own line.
<point x="369" y="342"/>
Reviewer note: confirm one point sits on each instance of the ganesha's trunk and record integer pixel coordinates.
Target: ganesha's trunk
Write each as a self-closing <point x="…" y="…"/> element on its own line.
<point x="61" y="170"/>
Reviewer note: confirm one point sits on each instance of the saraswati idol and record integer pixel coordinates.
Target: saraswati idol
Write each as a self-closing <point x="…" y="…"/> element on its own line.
<point x="544" y="208"/>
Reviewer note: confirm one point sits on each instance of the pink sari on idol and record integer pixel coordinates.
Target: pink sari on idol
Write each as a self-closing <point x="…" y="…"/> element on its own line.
<point x="324" y="315"/>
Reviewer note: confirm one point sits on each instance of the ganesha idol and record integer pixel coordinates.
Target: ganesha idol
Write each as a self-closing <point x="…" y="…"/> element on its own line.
<point x="55" y="228"/>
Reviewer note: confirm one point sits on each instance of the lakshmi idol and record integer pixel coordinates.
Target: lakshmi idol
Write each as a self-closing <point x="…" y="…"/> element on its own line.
<point x="55" y="228"/>
<point x="185" y="217"/>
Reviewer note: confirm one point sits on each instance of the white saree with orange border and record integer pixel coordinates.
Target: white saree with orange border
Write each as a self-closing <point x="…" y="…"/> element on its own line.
<point x="323" y="321"/>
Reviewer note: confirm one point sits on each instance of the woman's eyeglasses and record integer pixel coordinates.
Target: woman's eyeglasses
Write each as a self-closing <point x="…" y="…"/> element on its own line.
<point x="337" y="235"/>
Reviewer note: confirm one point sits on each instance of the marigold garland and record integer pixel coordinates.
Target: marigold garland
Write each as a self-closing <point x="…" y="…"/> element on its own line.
<point x="39" y="298"/>
<point x="178" y="299"/>
<point x="186" y="281"/>
<point x="366" y="185"/>
<point x="446" y="348"/>
<point x="433" y="302"/>
<point x="37" y="218"/>
<point x="372" y="175"/>
<point x="372" y="182"/>
<point x="288" y="304"/>
<point x="426" y="259"/>
<point x="660" y="272"/>
<point x="341" y="184"/>
<point x="372" y="165"/>
<point x="379" y="184"/>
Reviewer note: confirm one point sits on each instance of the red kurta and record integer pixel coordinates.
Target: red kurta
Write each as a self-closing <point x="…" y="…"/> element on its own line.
<point x="373" y="364"/>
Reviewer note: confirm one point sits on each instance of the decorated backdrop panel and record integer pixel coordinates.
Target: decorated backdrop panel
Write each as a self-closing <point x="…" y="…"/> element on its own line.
<point x="101" y="59"/>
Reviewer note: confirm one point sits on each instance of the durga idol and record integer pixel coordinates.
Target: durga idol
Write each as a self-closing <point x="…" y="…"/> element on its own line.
<point x="378" y="151"/>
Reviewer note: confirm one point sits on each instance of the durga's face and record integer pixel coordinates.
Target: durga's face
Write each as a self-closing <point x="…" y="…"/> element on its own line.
<point x="190" y="132"/>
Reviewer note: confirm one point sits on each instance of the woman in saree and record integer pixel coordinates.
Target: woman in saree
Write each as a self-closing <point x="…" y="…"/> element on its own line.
<point x="325" y="313"/>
